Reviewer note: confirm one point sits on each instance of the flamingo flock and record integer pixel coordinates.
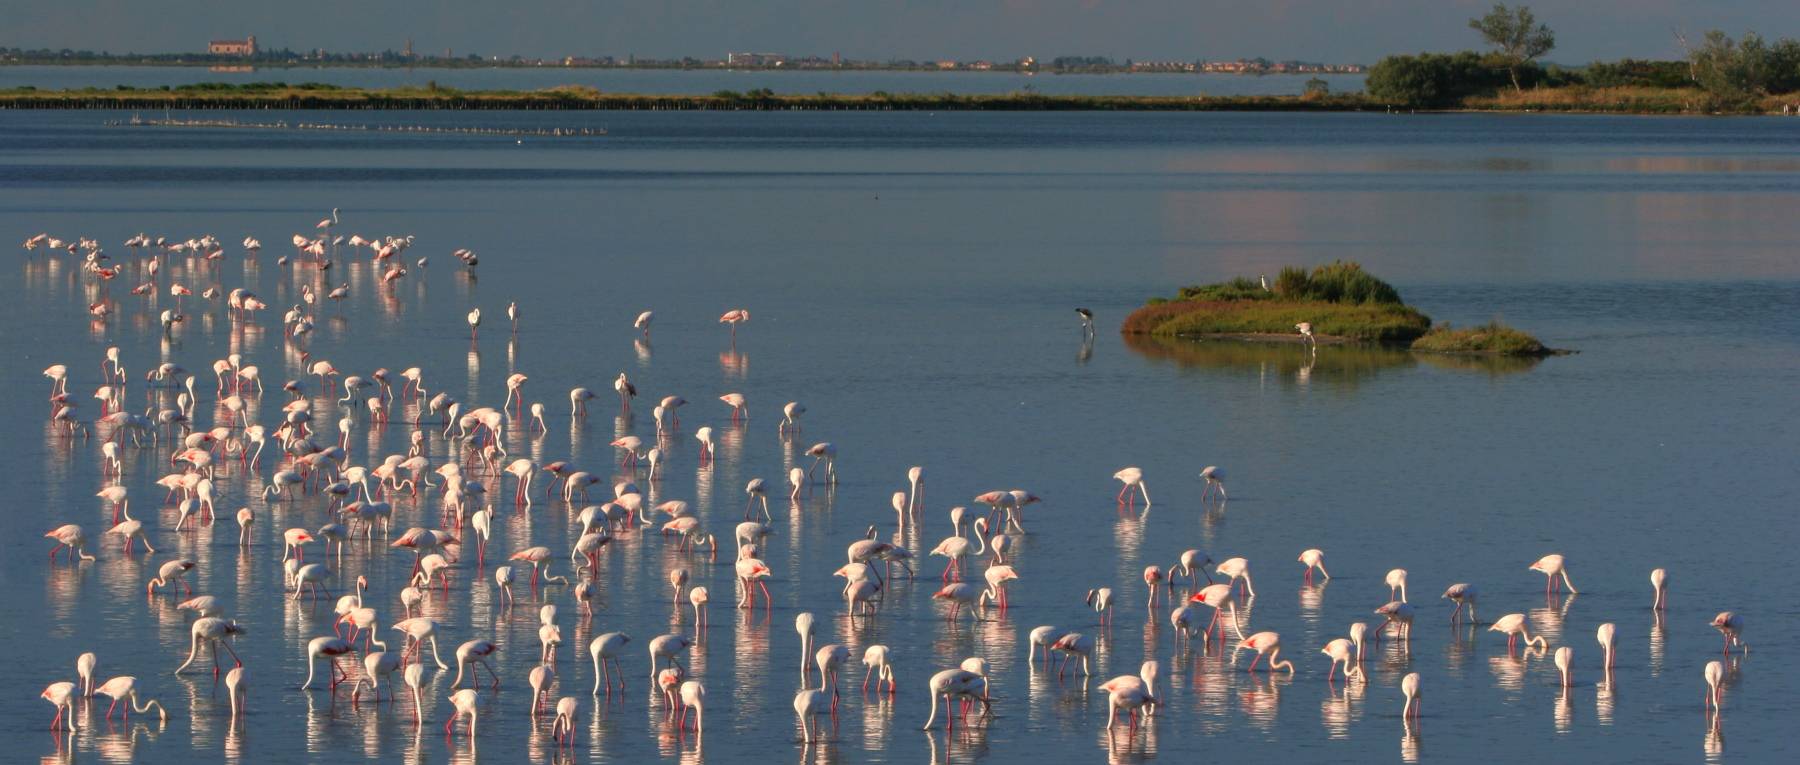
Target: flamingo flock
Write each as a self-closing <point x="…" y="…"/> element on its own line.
<point x="448" y="492"/>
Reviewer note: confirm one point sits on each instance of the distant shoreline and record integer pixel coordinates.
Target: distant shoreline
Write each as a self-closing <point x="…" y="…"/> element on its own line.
<point x="589" y="99"/>
<point x="270" y="96"/>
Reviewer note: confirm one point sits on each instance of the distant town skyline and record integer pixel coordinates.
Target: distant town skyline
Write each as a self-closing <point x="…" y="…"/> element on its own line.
<point x="1316" y="30"/>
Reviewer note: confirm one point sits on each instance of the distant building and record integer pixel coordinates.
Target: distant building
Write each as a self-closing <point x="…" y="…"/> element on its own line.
<point x="244" y="47"/>
<point x="755" y="59"/>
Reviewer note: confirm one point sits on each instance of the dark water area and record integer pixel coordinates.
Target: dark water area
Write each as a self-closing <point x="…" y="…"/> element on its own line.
<point x="911" y="279"/>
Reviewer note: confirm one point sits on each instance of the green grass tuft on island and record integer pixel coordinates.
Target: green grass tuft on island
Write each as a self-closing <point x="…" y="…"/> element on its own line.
<point x="1343" y="303"/>
<point x="1492" y="338"/>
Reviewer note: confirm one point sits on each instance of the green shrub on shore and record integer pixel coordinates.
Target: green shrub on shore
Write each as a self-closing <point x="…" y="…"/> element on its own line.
<point x="1490" y="338"/>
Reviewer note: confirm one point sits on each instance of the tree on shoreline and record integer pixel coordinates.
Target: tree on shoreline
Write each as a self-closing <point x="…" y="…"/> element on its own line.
<point x="1515" y="34"/>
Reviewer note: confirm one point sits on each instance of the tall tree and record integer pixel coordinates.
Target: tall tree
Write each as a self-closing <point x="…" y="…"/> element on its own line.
<point x="1516" y="35"/>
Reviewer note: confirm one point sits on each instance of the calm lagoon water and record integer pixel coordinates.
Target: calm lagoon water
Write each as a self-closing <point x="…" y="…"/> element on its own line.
<point x="911" y="278"/>
<point x="687" y="81"/>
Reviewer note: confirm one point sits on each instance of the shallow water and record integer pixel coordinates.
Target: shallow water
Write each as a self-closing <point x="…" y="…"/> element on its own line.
<point x="911" y="278"/>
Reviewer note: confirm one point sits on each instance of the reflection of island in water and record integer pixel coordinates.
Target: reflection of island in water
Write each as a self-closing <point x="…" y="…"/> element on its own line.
<point x="1346" y="364"/>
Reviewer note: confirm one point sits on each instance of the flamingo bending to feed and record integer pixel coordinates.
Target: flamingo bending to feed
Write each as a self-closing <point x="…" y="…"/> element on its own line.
<point x="1133" y="478"/>
<point x="1513" y="626"/>
<point x="1462" y="594"/>
<point x="1604" y="634"/>
<point x="957" y="683"/>
<point x="1342" y="651"/>
<point x="1266" y="643"/>
<point x="1314" y="558"/>
<point x="605" y="651"/>
<point x="62" y="696"/>
<point x="1551" y="566"/>
<point x="330" y="648"/>
<point x="1731" y="626"/>
<point x="124" y="688"/>
<point x="1715" y="692"/>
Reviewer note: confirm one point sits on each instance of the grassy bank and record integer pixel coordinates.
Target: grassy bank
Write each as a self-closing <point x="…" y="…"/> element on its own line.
<point x="319" y="96"/>
<point x="1492" y="338"/>
<point x="1342" y="302"/>
<point x="1276" y="318"/>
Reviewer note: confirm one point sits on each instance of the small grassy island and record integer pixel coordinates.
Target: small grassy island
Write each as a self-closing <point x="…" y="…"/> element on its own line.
<point x="1342" y="302"/>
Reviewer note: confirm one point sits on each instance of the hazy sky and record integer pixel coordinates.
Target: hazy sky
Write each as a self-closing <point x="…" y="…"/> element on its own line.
<point x="1334" y="30"/>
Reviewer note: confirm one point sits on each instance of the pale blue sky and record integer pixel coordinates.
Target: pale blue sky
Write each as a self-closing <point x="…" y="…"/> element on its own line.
<point x="1335" y="30"/>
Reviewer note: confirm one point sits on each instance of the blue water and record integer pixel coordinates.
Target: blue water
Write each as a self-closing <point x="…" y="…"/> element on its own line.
<point x="911" y="279"/>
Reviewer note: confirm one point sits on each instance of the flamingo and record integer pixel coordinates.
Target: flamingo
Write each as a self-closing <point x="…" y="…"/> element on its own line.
<point x="693" y="696"/>
<point x="790" y="416"/>
<point x="420" y="630"/>
<point x="132" y="530"/>
<point x="1266" y="643"/>
<point x="1314" y="558"/>
<point x="642" y="322"/>
<point x="1659" y="583"/>
<point x="1133" y="478"/>
<point x="826" y="453"/>
<point x="1604" y="634"/>
<point x="69" y="536"/>
<point x="377" y="665"/>
<point x="806" y="626"/>
<point x="1731" y="626"/>
<point x="1342" y="651"/>
<point x="563" y="728"/>
<point x="1306" y="334"/>
<point x="1131" y="693"/>
<point x="213" y="630"/>
<point x="1071" y="645"/>
<point x="1715" y="677"/>
<point x="876" y="661"/>
<point x="757" y="489"/>
<point x="1218" y="596"/>
<point x="1234" y="569"/>
<point x="1564" y="657"/>
<point x="464" y="701"/>
<point x="171" y="573"/>
<point x="1042" y="637"/>
<point x="733" y="318"/>
<point x="1215" y="480"/>
<point x="1087" y="328"/>
<point x="474" y="319"/>
<point x="1100" y="599"/>
<point x="330" y="648"/>
<point x="605" y="651"/>
<point x="1409" y="687"/>
<point x="1551" y="566"/>
<point x="626" y="391"/>
<point x="669" y="647"/>
<point x="958" y="683"/>
<point x="1513" y="626"/>
<point x="238" y="691"/>
<point x="62" y="696"/>
<point x="84" y="669"/>
<point x="1190" y="562"/>
<point x="1399" y="614"/>
<point x="474" y="651"/>
<point x="955" y="548"/>
<point x="540" y="678"/>
<point x="1462" y="594"/>
<point x="808" y="705"/>
<point x="1396" y="582"/>
<point x="751" y="573"/>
